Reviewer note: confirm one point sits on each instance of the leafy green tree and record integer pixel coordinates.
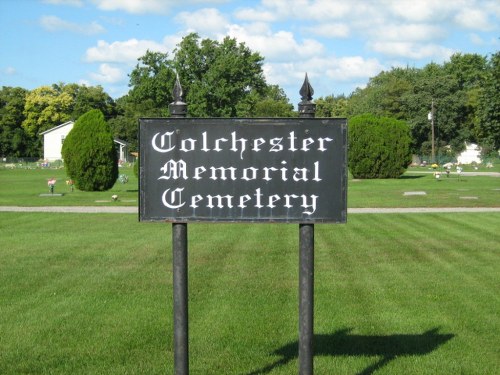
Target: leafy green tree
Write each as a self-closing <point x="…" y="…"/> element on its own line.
<point x="152" y="82"/>
<point x="86" y="98"/>
<point x="13" y="139"/>
<point x="89" y="153"/>
<point x="218" y="76"/>
<point x="379" y="147"/>
<point x="45" y="108"/>
<point x="272" y="103"/>
<point x="331" y="106"/>
<point x="489" y="107"/>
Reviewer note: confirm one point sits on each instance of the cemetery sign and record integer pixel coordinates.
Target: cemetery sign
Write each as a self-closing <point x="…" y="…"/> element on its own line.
<point x="265" y="169"/>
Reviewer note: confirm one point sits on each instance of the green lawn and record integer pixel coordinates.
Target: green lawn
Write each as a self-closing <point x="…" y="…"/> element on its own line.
<point x="394" y="294"/>
<point x="22" y="187"/>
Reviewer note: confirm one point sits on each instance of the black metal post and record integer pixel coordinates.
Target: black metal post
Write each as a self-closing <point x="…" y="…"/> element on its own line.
<point x="306" y="263"/>
<point x="181" y="328"/>
<point x="180" y="267"/>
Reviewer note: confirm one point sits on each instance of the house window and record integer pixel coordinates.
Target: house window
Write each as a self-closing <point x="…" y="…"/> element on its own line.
<point x="62" y="139"/>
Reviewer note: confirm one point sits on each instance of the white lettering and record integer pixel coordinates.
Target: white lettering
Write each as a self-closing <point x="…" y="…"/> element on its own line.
<point x="292" y="139"/>
<point x="306" y="206"/>
<point x="229" y="201"/>
<point x="175" y="200"/>
<point x="257" y="143"/>
<point x="242" y="141"/>
<point x="198" y="171"/>
<point x="306" y="143"/>
<point x="266" y="173"/>
<point x="316" y="172"/>
<point x="222" y="173"/>
<point x="244" y="199"/>
<point x="298" y="172"/>
<point x="162" y="142"/>
<point x="191" y="141"/>
<point x="276" y="144"/>
<point x="322" y="144"/>
<point x="195" y="199"/>
<point x="174" y="169"/>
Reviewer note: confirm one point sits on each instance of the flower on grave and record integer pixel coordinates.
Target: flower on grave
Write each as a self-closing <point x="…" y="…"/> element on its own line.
<point x="114" y="197"/>
<point x="123" y="178"/>
<point x="51" y="183"/>
<point x="70" y="183"/>
<point x="434" y="166"/>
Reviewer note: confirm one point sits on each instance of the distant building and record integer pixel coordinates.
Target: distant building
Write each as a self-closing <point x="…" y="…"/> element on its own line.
<point x="53" y="140"/>
<point x="471" y="154"/>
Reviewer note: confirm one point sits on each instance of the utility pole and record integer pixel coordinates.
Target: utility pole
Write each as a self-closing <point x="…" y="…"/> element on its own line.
<point x="433" y="151"/>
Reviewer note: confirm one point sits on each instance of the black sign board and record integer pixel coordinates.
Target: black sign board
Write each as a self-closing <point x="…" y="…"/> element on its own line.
<point x="220" y="169"/>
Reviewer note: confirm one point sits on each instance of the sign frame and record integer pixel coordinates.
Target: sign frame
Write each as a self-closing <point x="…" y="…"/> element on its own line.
<point x="262" y="162"/>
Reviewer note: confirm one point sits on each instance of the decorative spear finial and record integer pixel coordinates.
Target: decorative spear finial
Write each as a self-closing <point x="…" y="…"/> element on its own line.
<point x="306" y="107"/>
<point x="306" y="91"/>
<point x="177" y="108"/>
<point x="178" y="93"/>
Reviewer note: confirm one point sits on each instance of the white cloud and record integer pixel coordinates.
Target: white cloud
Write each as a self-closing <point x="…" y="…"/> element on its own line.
<point x="135" y="6"/>
<point x="475" y="19"/>
<point x="108" y="74"/>
<point x="318" y="10"/>
<point x="412" y="50"/>
<point x="352" y="67"/>
<point x="55" y="24"/>
<point x="122" y="52"/>
<point x="75" y="3"/>
<point x="208" y="20"/>
<point x="330" y="30"/>
<point x="279" y="46"/>
<point x="409" y="32"/>
<point x="255" y="15"/>
<point x="10" y="71"/>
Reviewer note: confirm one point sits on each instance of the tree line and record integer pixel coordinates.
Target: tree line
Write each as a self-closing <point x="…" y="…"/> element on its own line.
<point x="225" y="79"/>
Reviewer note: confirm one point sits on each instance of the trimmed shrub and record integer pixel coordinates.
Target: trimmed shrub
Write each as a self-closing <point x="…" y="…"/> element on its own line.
<point x="89" y="153"/>
<point x="379" y="147"/>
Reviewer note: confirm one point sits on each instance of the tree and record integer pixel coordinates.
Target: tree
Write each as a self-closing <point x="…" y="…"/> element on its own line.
<point x="218" y="77"/>
<point x="89" y="153"/>
<point x="489" y="107"/>
<point x="45" y="108"/>
<point x="379" y="147"/>
<point x="331" y="106"/>
<point x="272" y="103"/>
<point x="152" y="82"/>
<point x="13" y="139"/>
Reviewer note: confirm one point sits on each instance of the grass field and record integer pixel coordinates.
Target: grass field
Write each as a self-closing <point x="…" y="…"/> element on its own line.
<point x="394" y="294"/>
<point x="22" y="187"/>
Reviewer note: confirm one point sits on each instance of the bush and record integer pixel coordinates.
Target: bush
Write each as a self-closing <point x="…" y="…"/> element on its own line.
<point x="89" y="153"/>
<point x="379" y="147"/>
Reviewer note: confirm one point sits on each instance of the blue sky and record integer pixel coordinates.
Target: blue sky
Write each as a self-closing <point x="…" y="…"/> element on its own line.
<point x="339" y="43"/>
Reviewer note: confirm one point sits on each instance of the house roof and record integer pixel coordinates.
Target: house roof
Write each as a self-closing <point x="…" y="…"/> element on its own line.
<point x="117" y="140"/>
<point x="57" y="127"/>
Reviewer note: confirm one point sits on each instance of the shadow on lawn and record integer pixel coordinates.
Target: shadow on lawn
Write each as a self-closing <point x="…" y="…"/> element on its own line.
<point x="342" y="343"/>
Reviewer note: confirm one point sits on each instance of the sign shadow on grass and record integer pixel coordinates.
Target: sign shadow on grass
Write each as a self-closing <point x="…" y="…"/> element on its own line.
<point x="343" y="343"/>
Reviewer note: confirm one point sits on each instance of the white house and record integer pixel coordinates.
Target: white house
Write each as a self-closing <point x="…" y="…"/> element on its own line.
<point x="471" y="154"/>
<point x="53" y="140"/>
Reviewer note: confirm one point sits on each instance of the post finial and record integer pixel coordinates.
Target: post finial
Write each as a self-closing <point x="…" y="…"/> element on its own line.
<point x="178" y="93"/>
<point x="306" y="91"/>
<point x="178" y="108"/>
<point x="306" y="107"/>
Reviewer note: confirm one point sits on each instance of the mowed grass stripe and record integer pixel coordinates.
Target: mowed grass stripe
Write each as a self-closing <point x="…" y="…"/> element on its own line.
<point x="378" y="278"/>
